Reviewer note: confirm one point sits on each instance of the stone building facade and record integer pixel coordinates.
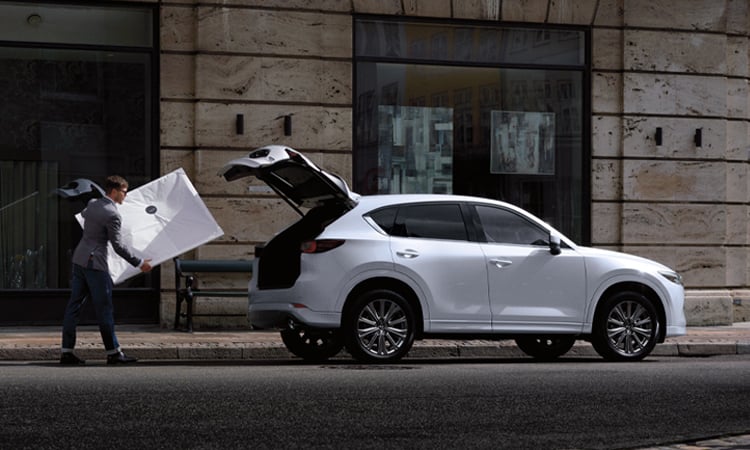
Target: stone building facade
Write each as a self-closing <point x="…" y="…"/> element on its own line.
<point x="669" y="121"/>
<point x="677" y="66"/>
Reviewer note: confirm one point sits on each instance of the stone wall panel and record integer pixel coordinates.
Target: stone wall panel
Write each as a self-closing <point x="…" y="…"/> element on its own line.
<point x="606" y="136"/>
<point x="312" y="126"/>
<point x="737" y="181"/>
<point x="606" y="223"/>
<point x="678" y="133"/>
<point x="427" y="8"/>
<point x="700" y="267"/>
<point x="606" y="175"/>
<point x="177" y="76"/>
<point x="662" y="181"/>
<point x="738" y="140"/>
<point x="675" y="95"/>
<point x="609" y="13"/>
<point x="250" y="219"/>
<point x="692" y="15"/>
<point x="224" y="251"/>
<point x="317" y="5"/>
<point x="606" y="96"/>
<point x="177" y="124"/>
<point x="684" y="52"/>
<point x="649" y="223"/>
<point x="524" y="10"/>
<point x="738" y="61"/>
<point x="250" y="31"/>
<point x="606" y="49"/>
<point x="476" y="9"/>
<point x="177" y="31"/>
<point x="377" y="7"/>
<point x="738" y="17"/>
<point x="274" y="79"/>
<point x="737" y="99"/>
<point x="577" y="12"/>
<point x="171" y="160"/>
<point x="737" y="225"/>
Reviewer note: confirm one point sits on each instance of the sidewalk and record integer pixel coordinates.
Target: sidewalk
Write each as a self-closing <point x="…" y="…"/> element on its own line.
<point x="154" y="343"/>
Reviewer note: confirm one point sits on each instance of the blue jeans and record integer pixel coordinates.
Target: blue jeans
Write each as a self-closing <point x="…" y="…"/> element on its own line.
<point x="97" y="285"/>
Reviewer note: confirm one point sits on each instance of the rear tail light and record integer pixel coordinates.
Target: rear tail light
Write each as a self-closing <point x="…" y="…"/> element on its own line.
<point x="321" y="245"/>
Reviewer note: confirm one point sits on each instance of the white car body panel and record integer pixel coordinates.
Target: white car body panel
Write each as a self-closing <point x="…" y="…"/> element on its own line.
<point x="453" y="276"/>
<point x="531" y="288"/>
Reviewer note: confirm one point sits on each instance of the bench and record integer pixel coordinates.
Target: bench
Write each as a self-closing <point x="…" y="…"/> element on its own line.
<point x="187" y="268"/>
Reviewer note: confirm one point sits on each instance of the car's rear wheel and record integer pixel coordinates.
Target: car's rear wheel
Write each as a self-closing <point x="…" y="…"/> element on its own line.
<point x="379" y="326"/>
<point x="545" y="347"/>
<point x="311" y="344"/>
<point x="625" y="327"/>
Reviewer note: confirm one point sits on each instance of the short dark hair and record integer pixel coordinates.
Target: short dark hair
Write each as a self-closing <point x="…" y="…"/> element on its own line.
<point x="115" y="182"/>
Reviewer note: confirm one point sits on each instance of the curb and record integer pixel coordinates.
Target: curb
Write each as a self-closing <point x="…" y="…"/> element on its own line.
<point x="272" y="351"/>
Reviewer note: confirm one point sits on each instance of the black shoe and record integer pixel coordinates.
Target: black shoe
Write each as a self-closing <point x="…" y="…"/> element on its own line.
<point x="69" y="359"/>
<point x="120" y="358"/>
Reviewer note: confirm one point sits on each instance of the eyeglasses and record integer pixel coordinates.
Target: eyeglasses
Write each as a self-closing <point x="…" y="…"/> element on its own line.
<point x="124" y="191"/>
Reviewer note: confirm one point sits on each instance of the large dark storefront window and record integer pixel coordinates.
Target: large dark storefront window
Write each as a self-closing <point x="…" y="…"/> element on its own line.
<point x="490" y="111"/>
<point x="78" y="104"/>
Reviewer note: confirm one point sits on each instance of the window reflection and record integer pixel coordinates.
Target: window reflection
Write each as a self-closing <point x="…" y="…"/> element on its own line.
<point x="67" y="114"/>
<point x="436" y="111"/>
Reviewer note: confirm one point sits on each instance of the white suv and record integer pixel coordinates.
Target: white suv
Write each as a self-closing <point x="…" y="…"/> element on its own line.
<point x="374" y="273"/>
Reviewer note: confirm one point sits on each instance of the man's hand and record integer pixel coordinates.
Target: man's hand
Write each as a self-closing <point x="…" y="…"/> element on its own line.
<point x="146" y="266"/>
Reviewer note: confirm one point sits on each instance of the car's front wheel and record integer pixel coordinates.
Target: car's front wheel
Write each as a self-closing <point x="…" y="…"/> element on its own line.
<point x="625" y="327"/>
<point x="379" y="326"/>
<point x="545" y="347"/>
<point x="311" y="344"/>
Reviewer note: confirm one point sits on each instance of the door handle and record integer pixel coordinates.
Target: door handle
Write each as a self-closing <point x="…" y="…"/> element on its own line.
<point x="408" y="254"/>
<point x="500" y="263"/>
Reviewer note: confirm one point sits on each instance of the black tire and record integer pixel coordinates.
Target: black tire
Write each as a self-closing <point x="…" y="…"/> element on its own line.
<point x="546" y="348"/>
<point x="312" y="345"/>
<point x="379" y="326"/>
<point x="625" y="327"/>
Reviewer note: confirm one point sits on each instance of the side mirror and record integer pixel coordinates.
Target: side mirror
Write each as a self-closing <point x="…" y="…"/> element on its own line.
<point x="554" y="244"/>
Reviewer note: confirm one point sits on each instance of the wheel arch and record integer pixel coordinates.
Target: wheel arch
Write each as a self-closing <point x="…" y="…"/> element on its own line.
<point x="387" y="283"/>
<point x="647" y="292"/>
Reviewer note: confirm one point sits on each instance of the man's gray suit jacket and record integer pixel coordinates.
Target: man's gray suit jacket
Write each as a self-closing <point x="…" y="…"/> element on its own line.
<point x="102" y="224"/>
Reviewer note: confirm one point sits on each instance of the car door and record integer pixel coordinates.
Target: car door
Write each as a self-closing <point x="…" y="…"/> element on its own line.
<point x="530" y="289"/>
<point x="429" y="243"/>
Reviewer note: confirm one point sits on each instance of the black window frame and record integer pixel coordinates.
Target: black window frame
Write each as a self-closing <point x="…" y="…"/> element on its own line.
<point x="132" y="304"/>
<point x="585" y="69"/>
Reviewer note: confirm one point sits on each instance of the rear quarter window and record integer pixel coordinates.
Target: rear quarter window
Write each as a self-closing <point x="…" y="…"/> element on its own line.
<point x="427" y="221"/>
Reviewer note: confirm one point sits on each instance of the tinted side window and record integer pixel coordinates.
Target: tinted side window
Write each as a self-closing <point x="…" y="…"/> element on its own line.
<point x="507" y="227"/>
<point x="385" y="218"/>
<point x="441" y="221"/>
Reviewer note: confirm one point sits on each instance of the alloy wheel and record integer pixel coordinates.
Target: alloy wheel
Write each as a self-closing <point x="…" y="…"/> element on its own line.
<point x="626" y="327"/>
<point x="380" y="326"/>
<point x="630" y="328"/>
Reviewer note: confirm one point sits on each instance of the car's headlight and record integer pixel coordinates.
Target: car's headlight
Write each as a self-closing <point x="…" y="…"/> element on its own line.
<point x="674" y="277"/>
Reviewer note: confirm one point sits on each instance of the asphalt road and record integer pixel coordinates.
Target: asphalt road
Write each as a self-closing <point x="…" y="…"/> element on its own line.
<point x="574" y="403"/>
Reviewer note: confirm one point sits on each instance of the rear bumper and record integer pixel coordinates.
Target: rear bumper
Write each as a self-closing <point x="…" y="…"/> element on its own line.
<point x="278" y="315"/>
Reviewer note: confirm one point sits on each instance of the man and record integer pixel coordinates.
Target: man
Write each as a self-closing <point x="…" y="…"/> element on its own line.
<point x="91" y="276"/>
